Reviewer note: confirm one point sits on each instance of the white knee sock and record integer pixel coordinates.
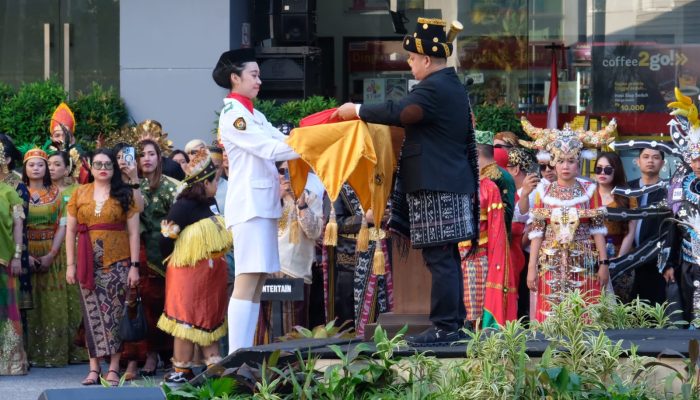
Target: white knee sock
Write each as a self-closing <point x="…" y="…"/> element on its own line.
<point x="239" y="315"/>
<point x="253" y="322"/>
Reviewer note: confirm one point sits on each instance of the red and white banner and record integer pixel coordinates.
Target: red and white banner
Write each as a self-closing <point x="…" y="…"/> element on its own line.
<point x="553" y="104"/>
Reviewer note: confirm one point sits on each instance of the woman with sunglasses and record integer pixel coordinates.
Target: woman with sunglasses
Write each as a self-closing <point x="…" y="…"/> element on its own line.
<point x="609" y="174"/>
<point x="104" y="219"/>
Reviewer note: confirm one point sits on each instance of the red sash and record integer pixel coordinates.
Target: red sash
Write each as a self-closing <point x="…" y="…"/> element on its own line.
<point x="86" y="262"/>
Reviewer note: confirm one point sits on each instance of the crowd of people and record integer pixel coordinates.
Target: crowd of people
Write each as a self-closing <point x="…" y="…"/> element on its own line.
<point x="189" y="236"/>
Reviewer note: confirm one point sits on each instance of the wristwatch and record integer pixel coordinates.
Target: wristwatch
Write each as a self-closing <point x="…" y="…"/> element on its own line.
<point x="604" y="262"/>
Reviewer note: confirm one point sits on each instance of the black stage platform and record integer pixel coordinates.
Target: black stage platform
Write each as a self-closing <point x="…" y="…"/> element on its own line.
<point x="649" y="342"/>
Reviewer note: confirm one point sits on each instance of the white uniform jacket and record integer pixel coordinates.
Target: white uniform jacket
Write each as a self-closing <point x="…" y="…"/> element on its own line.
<point x="252" y="145"/>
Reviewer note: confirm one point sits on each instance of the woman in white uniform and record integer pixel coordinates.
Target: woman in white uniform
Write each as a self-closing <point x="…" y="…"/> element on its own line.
<point x="253" y="199"/>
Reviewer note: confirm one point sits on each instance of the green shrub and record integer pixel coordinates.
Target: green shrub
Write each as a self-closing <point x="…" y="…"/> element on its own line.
<point x="293" y="111"/>
<point x="26" y="115"/>
<point x="498" y="119"/>
<point x="6" y="91"/>
<point x="97" y="111"/>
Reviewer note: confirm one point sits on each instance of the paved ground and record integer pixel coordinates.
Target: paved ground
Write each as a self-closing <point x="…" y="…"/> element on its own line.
<point x="30" y="386"/>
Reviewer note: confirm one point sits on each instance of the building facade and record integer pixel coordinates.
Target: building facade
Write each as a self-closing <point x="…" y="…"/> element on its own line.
<point x="614" y="58"/>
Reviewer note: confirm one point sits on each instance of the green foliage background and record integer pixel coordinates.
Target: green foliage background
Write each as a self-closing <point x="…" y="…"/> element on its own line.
<point x="25" y="114"/>
<point x="293" y="111"/>
<point x="498" y="119"/>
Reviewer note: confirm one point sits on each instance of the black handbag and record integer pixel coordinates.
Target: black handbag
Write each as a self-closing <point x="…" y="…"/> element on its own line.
<point x="133" y="329"/>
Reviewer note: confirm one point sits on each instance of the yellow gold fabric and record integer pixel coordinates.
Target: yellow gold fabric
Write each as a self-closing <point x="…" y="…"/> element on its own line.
<point x="351" y="151"/>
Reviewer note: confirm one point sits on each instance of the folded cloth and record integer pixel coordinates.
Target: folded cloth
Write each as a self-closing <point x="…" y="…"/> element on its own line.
<point x="86" y="262"/>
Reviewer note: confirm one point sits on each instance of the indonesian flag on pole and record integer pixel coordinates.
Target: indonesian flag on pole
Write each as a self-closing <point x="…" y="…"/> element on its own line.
<point x="553" y="109"/>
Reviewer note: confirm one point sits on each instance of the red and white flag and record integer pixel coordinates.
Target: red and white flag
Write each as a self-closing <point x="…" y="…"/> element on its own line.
<point x="553" y="104"/>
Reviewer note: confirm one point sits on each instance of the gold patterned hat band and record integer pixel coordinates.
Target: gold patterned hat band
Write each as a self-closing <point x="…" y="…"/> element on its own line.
<point x="35" y="153"/>
<point x="430" y="38"/>
<point x="200" y="167"/>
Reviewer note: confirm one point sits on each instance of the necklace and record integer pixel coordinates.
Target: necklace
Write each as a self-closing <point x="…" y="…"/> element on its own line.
<point x="100" y="203"/>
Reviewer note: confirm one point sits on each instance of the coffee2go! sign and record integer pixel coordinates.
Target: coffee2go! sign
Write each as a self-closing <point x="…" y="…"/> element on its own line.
<point x="641" y="78"/>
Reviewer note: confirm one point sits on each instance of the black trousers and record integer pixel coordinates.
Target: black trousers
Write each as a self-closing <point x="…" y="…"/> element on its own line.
<point x="447" y="309"/>
<point x="649" y="284"/>
<point x="524" y="291"/>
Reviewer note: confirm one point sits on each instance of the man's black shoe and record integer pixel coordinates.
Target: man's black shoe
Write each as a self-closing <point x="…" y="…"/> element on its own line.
<point x="434" y="336"/>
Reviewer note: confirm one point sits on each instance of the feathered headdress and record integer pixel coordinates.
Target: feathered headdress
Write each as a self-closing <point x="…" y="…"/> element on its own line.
<point x="566" y="142"/>
<point x="63" y="117"/>
<point x="685" y="127"/>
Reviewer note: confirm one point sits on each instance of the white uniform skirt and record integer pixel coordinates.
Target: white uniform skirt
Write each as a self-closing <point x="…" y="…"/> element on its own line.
<point x="255" y="246"/>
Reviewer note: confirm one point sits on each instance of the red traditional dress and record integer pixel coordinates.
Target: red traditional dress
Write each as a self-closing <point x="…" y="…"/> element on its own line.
<point x="565" y="267"/>
<point x="487" y="273"/>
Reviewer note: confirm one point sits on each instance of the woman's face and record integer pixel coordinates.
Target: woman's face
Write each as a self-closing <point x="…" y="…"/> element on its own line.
<point x="210" y="187"/>
<point x="180" y="159"/>
<point x="102" y="168"/>
<point x="148" y="159"/>
<point x="120" y="160"/>
<point x="248" y="84"/>
<point x="36" y="169"/>
<point x="567" y="168"/>
<point x="604" y="172"/>
<point x="57" y="168"/>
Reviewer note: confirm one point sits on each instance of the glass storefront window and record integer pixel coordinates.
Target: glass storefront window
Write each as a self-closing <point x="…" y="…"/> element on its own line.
<point x="619" y="59"/>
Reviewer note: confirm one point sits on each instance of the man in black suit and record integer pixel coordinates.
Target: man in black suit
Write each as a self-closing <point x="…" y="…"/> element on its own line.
<point x="437" y="171"/>
<point x="648" y="282"/>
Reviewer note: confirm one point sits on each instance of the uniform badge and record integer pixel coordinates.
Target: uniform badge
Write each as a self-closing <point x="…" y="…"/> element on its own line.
<point x="239" y="124"/>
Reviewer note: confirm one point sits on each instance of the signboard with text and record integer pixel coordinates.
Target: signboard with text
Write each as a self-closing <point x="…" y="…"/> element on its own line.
<point x="640" y="77"/>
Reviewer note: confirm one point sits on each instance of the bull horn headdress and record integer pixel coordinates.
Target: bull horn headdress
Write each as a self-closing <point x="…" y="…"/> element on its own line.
<point x="553" y="144"/>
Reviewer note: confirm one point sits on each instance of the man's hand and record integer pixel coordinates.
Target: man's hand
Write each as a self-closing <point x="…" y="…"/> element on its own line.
<point x="668" y="275"/>
<point x="345" y="112"/>
<point x="529" y="184"/>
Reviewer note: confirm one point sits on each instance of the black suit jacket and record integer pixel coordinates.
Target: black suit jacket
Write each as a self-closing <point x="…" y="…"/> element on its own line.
<point x="649" y="226"/>
<point x="437" y="120"/>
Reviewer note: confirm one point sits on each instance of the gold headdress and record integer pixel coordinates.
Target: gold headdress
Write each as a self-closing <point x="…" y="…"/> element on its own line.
<point x="35" y="153"/>
<point x="523" y="158"/>
<point x="566" y="142"/>
<point x="147" y="129"/>
<point x="685" y="129"/>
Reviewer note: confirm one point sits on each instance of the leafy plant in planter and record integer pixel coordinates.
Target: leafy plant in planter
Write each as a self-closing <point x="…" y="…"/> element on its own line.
<point x="495" y="118"/>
